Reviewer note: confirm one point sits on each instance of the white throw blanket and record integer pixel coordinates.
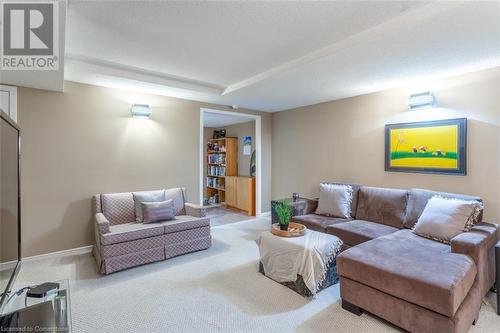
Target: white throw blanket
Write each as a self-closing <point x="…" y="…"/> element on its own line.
<point x="308" y="256"/>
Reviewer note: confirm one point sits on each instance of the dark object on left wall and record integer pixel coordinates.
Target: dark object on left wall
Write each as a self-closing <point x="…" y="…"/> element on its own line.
<point x="10" y="207"/>
<point x="219" y="134"/>
<point x="497" y="282"/>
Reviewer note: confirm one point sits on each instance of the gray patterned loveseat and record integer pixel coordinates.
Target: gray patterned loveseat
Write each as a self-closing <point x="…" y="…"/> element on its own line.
<point x="122" y="243"/>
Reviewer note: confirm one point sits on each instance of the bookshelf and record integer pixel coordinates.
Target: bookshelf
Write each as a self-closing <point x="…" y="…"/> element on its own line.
<point x="222" y="161"/>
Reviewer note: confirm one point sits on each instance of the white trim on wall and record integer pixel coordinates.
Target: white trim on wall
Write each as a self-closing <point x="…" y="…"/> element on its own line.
<point x="258" y="153"/>
<point x="69" y="252"/>
<point x="11" y="93"/>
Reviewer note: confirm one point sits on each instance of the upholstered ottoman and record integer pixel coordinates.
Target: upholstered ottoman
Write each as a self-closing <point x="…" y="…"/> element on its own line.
<point x="304" y="264"/>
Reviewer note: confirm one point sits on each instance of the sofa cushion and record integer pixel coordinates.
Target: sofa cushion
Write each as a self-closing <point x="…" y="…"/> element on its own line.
<point x="427" y="274"/>
<point x="417" y="199"/>
<point x="359" y="231"/>
<point x="355" y="193"/>
<point x="118" y="207"/>
<point x="334" y="200"/>
<point x="146" y="196"/>
<point x="317" y="222"/>
<point x="382" y="205"/>
<point x="126" y="232"/>
<point x="184" y="222"/>
<point x="178" y="197"/>
<point x="118" y="249"/>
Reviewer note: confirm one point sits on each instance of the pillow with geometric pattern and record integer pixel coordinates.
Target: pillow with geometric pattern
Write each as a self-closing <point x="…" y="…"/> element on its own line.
<point x="146" y="196"/>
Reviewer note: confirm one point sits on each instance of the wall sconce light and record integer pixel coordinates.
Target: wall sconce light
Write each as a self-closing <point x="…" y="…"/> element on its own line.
<point x="141" y="111"/>
<point x="421" y="101"/>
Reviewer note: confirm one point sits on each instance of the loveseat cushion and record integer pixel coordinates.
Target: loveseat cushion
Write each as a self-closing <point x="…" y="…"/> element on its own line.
<point x="118" y="207"/>
<point x="418" y="198"/>
<point x="146" y="196"/>
<point x="412" y="268"/>
<point x="382" y="205"/>
<point x="184" y="222"/>
<point x="317" y="222"/>
<point x="359" y="231"/>
<point x="126" y="232"/>
<point x="178" y="196"/>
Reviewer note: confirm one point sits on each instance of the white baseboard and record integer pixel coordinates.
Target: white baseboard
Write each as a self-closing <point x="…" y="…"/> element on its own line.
<point x="63" y="253"/>
<point x="264" y="214"/>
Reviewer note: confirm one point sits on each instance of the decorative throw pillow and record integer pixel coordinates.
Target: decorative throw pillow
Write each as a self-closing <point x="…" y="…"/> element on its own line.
<point x="444" y="218"/>
<point x="146" y="196"/>
<point x="177" y="195"/>
<point x="334" y="200"/>
<point x="157" y="211"/>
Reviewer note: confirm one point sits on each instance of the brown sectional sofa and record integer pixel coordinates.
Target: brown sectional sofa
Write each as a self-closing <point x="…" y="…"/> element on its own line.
<point x="413" y="282"/>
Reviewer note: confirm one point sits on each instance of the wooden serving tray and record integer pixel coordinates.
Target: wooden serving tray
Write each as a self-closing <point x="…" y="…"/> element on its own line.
<point x="294" y="230"/>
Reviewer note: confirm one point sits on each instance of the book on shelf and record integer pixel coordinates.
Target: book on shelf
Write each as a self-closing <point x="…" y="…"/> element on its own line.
<point x="215" y="182"/>
<point x="214" y="170"/>
<point x="216" y="159"/>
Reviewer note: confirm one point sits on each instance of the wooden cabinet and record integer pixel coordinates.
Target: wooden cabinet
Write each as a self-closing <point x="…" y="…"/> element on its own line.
<point x="231" y="191"/>
<point x="240" y="193"/>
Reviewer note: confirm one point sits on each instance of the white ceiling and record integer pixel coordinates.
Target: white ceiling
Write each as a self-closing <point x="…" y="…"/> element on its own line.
<point x="217" y="120"/>
<point x="273" y="56"/>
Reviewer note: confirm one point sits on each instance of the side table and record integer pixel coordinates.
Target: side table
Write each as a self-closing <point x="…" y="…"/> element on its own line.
<point x="301" y="206"/>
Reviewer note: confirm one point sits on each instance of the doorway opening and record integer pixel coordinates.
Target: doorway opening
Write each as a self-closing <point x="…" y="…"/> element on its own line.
<point x="230" y="165"/>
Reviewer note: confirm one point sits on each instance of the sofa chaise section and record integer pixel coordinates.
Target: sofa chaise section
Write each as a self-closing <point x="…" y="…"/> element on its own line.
<point x="122" y="243"/>
<point x="401" y="276"/>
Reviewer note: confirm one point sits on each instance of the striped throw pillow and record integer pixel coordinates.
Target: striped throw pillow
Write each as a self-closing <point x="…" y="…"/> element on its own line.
<point x="157" y="211"/>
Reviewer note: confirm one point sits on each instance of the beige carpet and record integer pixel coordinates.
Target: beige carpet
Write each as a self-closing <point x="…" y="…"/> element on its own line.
<point x="217" y="290"/>
<point x="222" y="216"/>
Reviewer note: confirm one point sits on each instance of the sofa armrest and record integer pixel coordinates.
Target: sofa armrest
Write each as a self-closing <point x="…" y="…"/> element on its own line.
<point x="101" y="223"/>
<point x="195" y="210"/>
<point x="479" y="244"/>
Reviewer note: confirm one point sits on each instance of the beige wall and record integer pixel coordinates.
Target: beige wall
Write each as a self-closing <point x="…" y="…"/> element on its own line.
<point x="239" y="131"/>
<point x="83" y="141"/>
<point x="344" y="140"/>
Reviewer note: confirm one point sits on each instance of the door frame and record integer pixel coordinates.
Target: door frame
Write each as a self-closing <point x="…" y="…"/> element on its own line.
<point x="258" y="153"/>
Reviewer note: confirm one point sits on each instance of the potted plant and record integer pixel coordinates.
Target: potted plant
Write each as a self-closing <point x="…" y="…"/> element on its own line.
<point x="284" y="214"/>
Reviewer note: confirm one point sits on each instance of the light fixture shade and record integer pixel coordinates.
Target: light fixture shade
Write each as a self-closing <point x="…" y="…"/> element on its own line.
<point x="423" y="100"/>
<point x="141" y="111"/>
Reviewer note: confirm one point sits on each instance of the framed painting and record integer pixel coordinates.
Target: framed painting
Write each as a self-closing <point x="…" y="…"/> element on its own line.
<point x="427" y="147"/>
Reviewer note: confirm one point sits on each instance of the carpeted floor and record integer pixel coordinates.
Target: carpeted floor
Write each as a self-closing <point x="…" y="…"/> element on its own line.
<point x="222" y="216"/>
<point x="217" y="290"/>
